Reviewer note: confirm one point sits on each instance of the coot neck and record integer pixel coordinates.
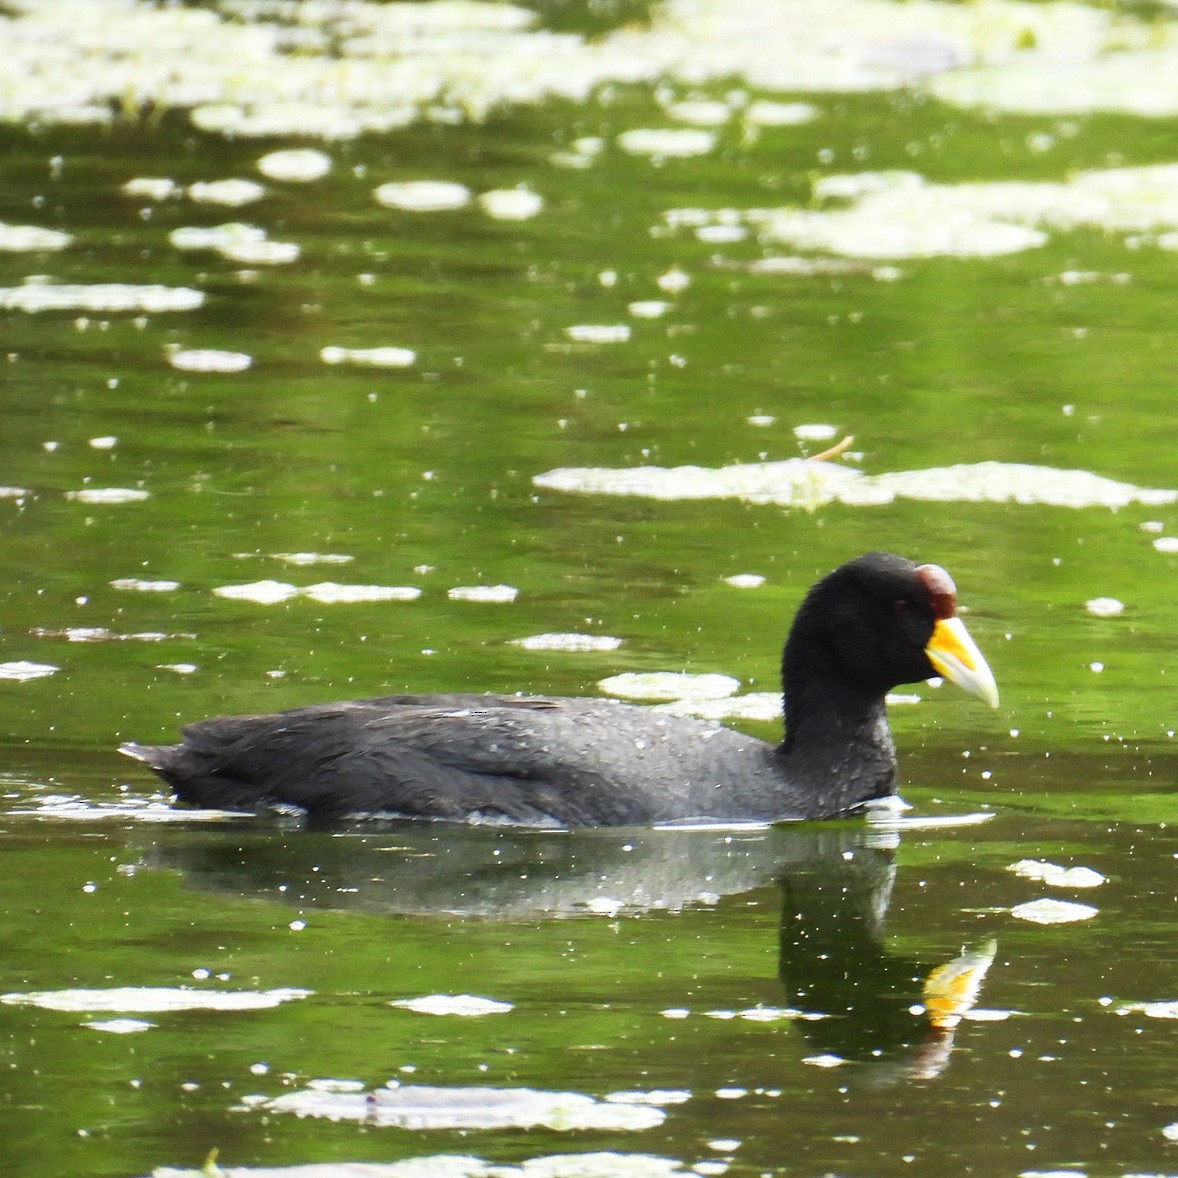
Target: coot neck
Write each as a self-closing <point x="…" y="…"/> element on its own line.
<point x="838" y="747"/>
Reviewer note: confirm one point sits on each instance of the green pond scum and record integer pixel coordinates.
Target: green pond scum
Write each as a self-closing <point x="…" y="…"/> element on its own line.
<point x="361" y="348"/>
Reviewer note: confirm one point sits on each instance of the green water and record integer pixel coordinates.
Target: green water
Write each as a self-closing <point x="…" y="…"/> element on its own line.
<point x="423" y="476"/>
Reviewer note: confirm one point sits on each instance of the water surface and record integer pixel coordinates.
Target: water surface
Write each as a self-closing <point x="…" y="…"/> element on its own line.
<point x="654" y="308"/>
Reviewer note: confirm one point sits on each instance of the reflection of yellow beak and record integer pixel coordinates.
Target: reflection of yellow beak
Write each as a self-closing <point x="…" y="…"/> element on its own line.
<point x="955" y="656"/>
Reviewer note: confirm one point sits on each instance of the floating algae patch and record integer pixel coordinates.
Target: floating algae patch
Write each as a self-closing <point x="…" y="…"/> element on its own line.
<point x="800" y="482"/>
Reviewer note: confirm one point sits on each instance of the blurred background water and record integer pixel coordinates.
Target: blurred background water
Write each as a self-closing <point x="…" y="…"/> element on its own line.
<point x="264" y="413"/>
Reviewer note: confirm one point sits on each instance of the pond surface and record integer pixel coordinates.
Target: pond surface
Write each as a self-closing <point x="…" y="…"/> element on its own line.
<point x="332" y="432"/>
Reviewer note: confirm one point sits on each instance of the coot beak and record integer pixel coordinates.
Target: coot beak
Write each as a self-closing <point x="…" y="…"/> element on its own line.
<point x="955" y="655"/>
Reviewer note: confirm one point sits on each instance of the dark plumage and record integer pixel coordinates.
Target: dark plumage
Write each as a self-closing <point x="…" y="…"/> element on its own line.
<point x="874" y="623"/>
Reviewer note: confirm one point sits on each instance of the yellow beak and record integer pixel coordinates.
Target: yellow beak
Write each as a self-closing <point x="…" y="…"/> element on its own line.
<point x="955" y="656"/>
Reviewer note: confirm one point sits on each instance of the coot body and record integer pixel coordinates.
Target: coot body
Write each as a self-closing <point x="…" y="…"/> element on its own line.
<point x="874" y="623"/>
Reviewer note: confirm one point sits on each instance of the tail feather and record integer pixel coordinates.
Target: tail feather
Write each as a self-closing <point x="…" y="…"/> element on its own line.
<point x="156" y="757"/>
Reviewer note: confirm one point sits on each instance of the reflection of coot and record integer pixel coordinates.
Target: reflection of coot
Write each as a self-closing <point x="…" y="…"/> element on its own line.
<point x="833" y="961"/>
<point x="836" y="883"/>
<point x="872" y="624"/>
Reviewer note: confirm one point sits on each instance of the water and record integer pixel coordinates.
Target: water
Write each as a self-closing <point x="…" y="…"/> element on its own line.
<point x="677" y="965"/>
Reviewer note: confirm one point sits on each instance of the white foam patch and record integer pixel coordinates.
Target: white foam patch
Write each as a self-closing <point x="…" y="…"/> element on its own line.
<point x="605" y="1164"/>
<point x="420" y="1107"/>
<point x="139" y="810"/>
<point x="157" y="188"/>
<point x="762" y="1014"/>
<point x="667" y="142"/>
<point x="152" y="999"/>
<point x="765" y="112"/>
<point x="103" y="634"/>
<point x="23" y="670"/>
<point x="209" y="360"/>
<point x="880" y="819"/>
<point x="231" y="193"/>
<point x="815" y="432"/>
<point x="266" y="592"/>
<point x="1053" y="911"/>
<point x="270" y="592"/>
<point x="493" y="594"/>
<point x="1105" y="607"/>
<point x="799" y="482"/>
<point x="598" y="333"/>
<point x="119" y="1026"/>
<point x="759" y="705"/>
<point x="745" y="580"/>
<point x="463" y="1005"/>
<point x="303" y="559"/>
<point x="263" y="253"/>
<point x="331" y="593"/>
<point x="702" y="112"/>
<point x="140" y="585"/>
<point x="31" y="239"/>
<point x="385" y="357"/>
<point x="894" y="215"/>
<point x="511" y="204"/>
<point x="298" y="165"/>
<point x="669" y="685"/>
<point x="1055" y="875"/>
<point x="1150" y="1009"/>
<point x="648" y="308"/>
<point x="570" y="643"/>
<point x="108" y="495"/>
<point x="108" y="297"/>
<point x="215" y="237"/>
<point x="235" y="71"/>
<point x="423" y="196"/>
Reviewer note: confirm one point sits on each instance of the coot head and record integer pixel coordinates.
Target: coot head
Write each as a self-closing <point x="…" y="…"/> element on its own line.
<point x="877" y="622"/>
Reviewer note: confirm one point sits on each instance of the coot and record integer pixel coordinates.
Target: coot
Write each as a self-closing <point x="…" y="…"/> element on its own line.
<point x="876" y="622"/>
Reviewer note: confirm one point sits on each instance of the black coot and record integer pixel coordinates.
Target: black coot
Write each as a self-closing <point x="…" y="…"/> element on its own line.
<point x="872" y="624"/>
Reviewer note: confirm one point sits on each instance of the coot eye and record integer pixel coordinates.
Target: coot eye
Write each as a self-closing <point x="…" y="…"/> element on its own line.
<point x="901" y="607"/>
